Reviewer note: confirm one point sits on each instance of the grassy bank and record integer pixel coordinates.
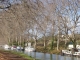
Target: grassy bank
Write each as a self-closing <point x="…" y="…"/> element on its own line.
<point x="48" y="50"/>
<point x="20" y="54"/>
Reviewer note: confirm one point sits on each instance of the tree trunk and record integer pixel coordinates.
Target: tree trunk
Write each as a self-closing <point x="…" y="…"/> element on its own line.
<point x="58" y="41"/>
<point x="44" y="43"/>
<point x="35" y="44"/>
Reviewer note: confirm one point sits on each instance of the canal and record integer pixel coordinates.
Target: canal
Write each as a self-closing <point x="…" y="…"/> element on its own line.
<point x="46" y="56"/>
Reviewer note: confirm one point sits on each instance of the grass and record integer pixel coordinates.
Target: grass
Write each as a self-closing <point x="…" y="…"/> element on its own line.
<point x="48" y="50"/>
<point x="23" y="55"/>
<point x="20" y="54"/>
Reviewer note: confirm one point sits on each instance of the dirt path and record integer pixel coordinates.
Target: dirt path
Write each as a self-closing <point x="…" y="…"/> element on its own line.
<point x="9" y="56"/>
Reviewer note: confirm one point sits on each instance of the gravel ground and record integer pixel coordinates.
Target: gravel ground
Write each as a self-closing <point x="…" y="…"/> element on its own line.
<point x="9" y="56"/>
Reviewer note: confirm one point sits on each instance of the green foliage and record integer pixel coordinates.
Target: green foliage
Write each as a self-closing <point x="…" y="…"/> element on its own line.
<point x="23" y="44"/>
<point x="22" y="54"/>
<point x="62" y="44"/>
<point x="19" y="54"/>
<point x="10" y="43"/>
<point x="52" y="42"/>
<point x="73" y="41"/>
<point x="17" y="43"/>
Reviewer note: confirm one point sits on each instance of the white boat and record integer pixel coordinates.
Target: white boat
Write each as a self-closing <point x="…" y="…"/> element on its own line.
<point x="76" y="54"/>
<point x="13" y="47"/>
<point x="67" y="52"/>
<point x="29" y="49"/>
<point x="6" y="47"/>
<point x="19" y="48"/>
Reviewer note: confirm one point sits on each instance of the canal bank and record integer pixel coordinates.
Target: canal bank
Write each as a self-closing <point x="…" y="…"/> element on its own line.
<point x="13" y="55"/>
<point x="50" y="51"/>
<point x="6" y="55"/>
<point x="37" y="55"/>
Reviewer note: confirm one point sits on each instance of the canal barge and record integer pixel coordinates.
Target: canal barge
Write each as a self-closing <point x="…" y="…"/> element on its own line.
<point x="72" y="52"/>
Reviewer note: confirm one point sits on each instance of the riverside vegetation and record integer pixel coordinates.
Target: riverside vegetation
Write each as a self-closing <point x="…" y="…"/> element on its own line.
<point x="13" y="55"/>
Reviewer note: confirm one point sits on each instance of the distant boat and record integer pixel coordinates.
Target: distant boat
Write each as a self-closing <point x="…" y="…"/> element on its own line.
<point x="13" y="47"/>
<point x="69" y="52"/>
<point x="29" y="49"/>
<point x="6" y="47"/>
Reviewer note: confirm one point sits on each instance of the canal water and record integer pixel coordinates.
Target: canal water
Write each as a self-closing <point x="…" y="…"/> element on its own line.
<point x="46" y="56"/>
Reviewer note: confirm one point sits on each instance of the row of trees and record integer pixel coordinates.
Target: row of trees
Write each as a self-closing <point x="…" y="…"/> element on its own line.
<point x="32" y="19"/>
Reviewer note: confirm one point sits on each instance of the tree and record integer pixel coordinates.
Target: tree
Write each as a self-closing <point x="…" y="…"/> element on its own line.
<point x="73" y="9"/>
<point x="5" y="4"/>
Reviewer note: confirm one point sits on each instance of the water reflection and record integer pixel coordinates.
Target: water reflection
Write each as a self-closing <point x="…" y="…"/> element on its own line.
<point x="46" y="56"/>
<point x="34" y="54"/>
<point x="72" y="58"/>
<point x="51" y="57"/>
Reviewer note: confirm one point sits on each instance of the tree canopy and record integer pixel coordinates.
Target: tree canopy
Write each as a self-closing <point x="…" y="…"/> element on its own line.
<point x="33" y="19"/>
